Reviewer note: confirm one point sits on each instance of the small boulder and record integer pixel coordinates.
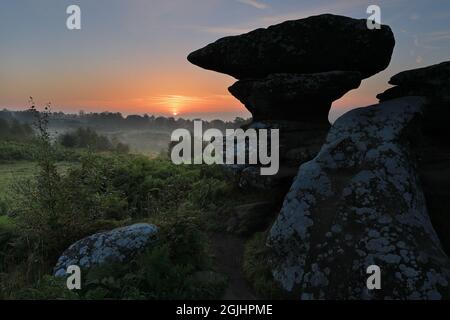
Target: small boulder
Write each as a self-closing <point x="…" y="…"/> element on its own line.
<point x="114" y="246"/>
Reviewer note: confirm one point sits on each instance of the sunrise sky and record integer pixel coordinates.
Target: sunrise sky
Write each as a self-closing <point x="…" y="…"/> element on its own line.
<point x="130" y="56"/>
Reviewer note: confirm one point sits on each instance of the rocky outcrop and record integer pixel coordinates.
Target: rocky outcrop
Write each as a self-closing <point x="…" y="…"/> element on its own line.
<point x="316" y="44"/>
<point x="294" y="96"/>
<point x="114" y="246"/>
<point x="432" y="82"/>
<point x="290" y="74"/>
<point x="432" y="147"/>
<point x="360" y="203"/>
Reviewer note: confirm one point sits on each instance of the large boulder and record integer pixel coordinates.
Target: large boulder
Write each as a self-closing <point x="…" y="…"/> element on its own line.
<point x="432" y="82"/>
<point x="294" y="96"/>
<point x="433" y="149"/>
<point x="360" y="203"/>
<point x="316" y="44"/>
<point x="113" y="246"/>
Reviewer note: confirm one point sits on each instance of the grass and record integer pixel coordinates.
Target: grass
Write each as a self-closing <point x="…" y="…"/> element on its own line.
<point x="16" y="171"/>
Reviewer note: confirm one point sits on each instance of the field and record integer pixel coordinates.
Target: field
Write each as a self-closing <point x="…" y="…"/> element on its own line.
<point x="16" y="171"/>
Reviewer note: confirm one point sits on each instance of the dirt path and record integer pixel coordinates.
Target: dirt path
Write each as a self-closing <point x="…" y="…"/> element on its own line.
<point x="229" y="252"/>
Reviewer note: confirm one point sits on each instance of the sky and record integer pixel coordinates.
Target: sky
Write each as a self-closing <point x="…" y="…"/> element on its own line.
<point x="130" y="56"/>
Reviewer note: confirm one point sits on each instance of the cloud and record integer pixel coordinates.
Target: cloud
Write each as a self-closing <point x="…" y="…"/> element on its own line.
<point x="254" y="3"/>
<point x="438" y="35"/>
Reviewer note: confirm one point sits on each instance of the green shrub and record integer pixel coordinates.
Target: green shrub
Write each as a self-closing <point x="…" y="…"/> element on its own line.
<point x="13" y="151"/>
<point x="156" y="274"/>
<point x="176" y="267"/>
<point x="257" y="269"/>
<point x="8" y="232"/>
<point x="47" y="288"/>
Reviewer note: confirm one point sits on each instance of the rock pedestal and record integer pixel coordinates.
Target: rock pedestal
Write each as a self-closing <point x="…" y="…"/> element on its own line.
<point x="294" y="97"/>
<point x="290" y="74"/>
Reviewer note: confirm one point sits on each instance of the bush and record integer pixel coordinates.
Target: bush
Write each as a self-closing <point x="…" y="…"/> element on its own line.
<point x="168" y="270"/>
<point x="47" y="288"/>
<point x="8" y="232"/>
<point x="55" y="209"/>
<point x="173" y="268"/>
<point x="13" y="151"/>
<point x="257" y="269"/>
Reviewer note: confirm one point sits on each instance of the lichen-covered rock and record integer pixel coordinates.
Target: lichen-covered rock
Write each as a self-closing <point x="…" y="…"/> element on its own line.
<point x="432" y="82"/>
<point x="316" y="44"/>
<point x="113" y="246"/>
<point x="433" y="151"/>
<point x="359" y="203"/>
<point x="294" y="96"/>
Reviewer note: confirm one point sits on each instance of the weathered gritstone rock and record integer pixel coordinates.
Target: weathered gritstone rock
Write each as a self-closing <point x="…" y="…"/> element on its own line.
<point x="433" y="147"/>
<point x="294" y="96"/>
<point x="432" y="82"/>
<point x="316" y="44"/>
<point x="113" y="246"/>
<point x="359" y="203"/>
<point x="290" y="74"/>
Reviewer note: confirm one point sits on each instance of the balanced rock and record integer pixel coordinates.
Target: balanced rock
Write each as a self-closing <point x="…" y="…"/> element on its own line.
<point x="316" y="44"/>
<point x="294" y="96"/>
<point x="290" y="74"/>
<point x="113" y="246"/>
<point x="360" y="203"/>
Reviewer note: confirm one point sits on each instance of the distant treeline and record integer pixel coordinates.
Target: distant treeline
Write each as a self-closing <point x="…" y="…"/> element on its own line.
<point x="116" y="121"/>
<point x="14" y="130"/>
<point x="85" y="138"/>
<point x="18" y="141"/>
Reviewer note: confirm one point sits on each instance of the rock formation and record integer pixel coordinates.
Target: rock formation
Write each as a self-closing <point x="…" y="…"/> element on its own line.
<point x="360" y="203"/>
<point x="316" y="44"/>
<point x="116" y="245"/>
<point x="289" y="96"/>
<point x="432" y="82"/>
<point x="289" y="75"/>
<point x="432" y="146"/>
